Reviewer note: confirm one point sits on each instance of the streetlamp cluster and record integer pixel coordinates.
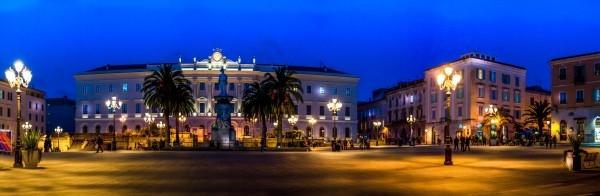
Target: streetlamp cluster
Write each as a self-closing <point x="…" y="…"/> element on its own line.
<point x="377" y="125"/>
<point x="492" y="112"/>
<point x="448" y="81"/>
<point x="58" y="130"/>
<point x="411" y="120"/>
<point x="334" y="106"/>
<point x="18" y="78"/>
<point x="113" y="105"/>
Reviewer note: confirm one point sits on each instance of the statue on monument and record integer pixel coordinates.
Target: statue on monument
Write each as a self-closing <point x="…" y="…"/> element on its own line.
<point x="223" y="110"/>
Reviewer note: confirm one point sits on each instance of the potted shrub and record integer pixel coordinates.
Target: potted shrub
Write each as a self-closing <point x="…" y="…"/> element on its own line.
<point x="32" y="155"/>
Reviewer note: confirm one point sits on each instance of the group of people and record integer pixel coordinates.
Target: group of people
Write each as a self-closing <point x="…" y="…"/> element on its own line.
<point x="550" y="141"/>
<point x="339" y="145"/>
<point x="464" y="142"/>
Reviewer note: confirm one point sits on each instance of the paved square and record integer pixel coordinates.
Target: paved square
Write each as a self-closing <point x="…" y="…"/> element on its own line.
<point x="394" y="171"/>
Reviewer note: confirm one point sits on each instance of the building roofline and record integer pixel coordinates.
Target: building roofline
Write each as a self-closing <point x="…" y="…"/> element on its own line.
<point x="575" y="56"/>
<point x="128" y="68"/>
<point x="464" y="57"/>
<point x="538" y="89"/>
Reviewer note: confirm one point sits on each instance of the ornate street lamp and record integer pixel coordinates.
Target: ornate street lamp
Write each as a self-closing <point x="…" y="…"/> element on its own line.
<point x="448" y="81"/>
<point x="58" y="130"/>
<point x="182" y="120"/>
<point x="18" y="78"/>
<point x="377" y="125"/>
<point x="411" y="120"/>
<point x="334" y="106"/>
<point x="148" y="119"/>
<point x="492" y="113"/>
<point x="293" y="120"/>
<point x="113" y="105"/>
<point x="26" y="126"/>
<point x="160" y="125"/>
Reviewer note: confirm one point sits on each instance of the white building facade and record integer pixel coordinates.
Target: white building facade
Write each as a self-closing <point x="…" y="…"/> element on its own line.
<point x="321" y="84"/>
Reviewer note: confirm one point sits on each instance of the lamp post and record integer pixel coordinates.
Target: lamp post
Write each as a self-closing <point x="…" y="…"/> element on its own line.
<point x="334" y="106"/>
<point x="148" y="119"/>
<point x="448" y="81"/>
<point x="18" y="78"/>
<point x="160" y="125"/>
<point x="411" y="120"/>
<point x="492" y="112"/>
<point x="182" y="120"/>
<point x="377" y="125"/>
<point x="253" y="121"/>
<point x="312" y="123"/>
<point x="58" y="130"/>
<point x="113" y="104"/>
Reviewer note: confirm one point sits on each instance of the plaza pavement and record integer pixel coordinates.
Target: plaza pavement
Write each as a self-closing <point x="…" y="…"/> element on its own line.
<point x="384" y="171"/>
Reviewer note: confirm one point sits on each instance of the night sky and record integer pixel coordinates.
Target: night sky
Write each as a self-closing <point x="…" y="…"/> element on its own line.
<point x="382" y="42"/>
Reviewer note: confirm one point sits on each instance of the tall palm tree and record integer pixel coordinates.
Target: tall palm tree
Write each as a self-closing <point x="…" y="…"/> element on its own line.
<point x="537" y="113"/>
<point x="160" y="90"/>
<point x="183" y="104"/>
<point x="285" y="91"/>
<point x="257" y="104"/>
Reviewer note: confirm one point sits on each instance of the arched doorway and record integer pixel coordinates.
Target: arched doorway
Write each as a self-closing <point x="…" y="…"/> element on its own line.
<point x="98" y="129"/>
<point x="84" y="129"/>
<point x="309" y="132"/>
<point x="347" y="132"/>
<point x="246" y="130"/>
<point x="124" y="129"/>
<point x="322" y="132"/>
<point x="111" y="128"/>
<point x="562" y="130"/>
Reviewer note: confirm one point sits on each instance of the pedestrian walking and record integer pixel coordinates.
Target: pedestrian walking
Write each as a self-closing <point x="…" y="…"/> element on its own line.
<point x="99" y="143"/>
<point x="468" y="144"/>
<point x="554" y="141"/>
<point x="455" y="143"/>
<point x="547" y="141"/>
<point x="462" y="143"/>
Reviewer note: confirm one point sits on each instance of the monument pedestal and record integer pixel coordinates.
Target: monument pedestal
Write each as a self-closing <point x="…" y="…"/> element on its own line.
<point x="223" y="134"/>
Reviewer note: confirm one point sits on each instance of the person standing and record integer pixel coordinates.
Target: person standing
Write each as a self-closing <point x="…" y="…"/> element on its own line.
<point x="455" y="143"/>
<point x="462" y="143"/>
<point x="468" y="144"/>
<point x="99" y="143"/>
<point x="554" y="141"/>
<point x="547" y="141"/>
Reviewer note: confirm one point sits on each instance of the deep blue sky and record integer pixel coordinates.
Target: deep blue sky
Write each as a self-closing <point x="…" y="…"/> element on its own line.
<point x="381" y="41"/>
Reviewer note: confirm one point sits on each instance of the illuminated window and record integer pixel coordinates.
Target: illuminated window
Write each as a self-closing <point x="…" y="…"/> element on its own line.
<point x="480" y="74"/>
<point x="125" y="87"/>
<point x="321" y="90"/>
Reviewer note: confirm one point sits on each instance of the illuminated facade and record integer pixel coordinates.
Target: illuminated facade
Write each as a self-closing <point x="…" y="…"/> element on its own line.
<point x="576" y="96"/>
<point x="485" y="82"/>
<point x="32" y="108"/>
<point x="321" y="84"/>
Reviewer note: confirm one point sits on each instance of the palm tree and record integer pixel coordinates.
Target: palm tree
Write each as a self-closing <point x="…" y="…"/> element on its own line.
<point x="160" y="91"/>
<point x="285" y="91"/>
<point x="183" y="104"/>
<point x="257" y="105"/>
<point x="537" y="113"/>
